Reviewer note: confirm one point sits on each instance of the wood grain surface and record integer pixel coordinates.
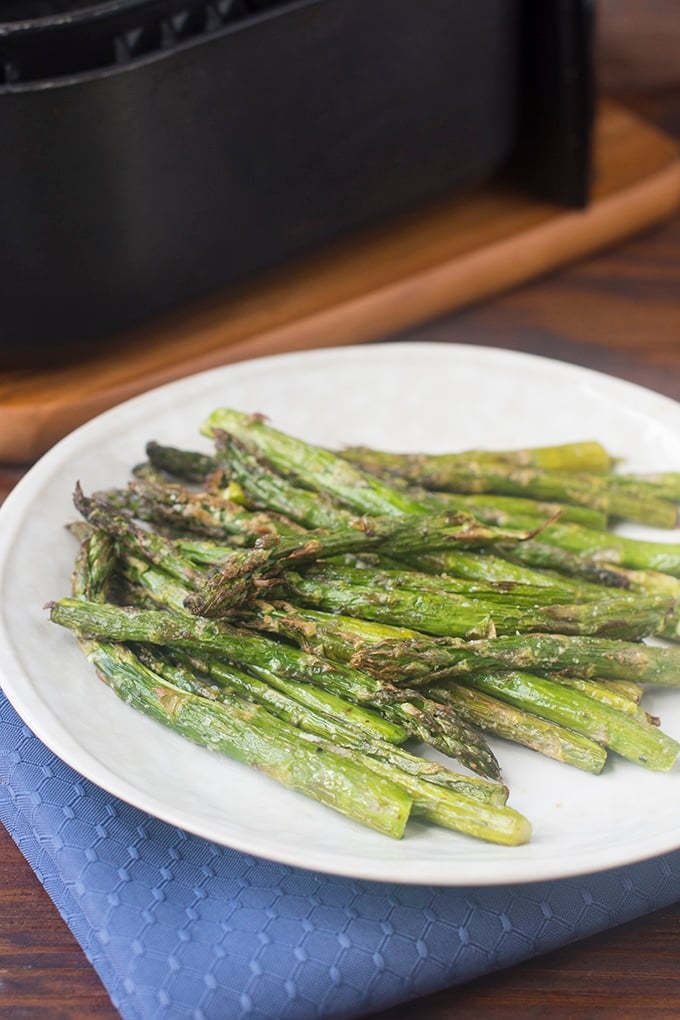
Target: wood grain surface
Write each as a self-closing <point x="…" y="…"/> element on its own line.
<point x="618" y="312"/>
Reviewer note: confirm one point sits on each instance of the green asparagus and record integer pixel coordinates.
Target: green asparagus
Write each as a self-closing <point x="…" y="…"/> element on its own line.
<point x="295" y="606"/>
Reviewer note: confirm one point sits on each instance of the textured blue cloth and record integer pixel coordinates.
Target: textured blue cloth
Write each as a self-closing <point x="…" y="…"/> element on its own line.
<point x="179" y="927"/>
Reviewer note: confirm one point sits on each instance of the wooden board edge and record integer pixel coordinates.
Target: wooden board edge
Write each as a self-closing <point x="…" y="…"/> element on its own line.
<point x="28" y="430"/>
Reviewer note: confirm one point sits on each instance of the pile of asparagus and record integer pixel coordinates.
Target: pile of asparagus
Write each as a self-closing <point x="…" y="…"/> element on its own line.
<point x="319" y="615"/>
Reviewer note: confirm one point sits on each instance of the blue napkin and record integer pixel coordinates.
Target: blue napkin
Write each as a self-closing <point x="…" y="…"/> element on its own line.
<point x="177" y="926"/>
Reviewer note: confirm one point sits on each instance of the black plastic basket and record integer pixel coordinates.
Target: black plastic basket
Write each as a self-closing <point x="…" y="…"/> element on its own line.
<point x="156" y="151"/>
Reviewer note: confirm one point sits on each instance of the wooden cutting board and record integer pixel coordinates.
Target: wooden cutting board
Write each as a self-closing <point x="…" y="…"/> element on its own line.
<point x="390" y="279"/>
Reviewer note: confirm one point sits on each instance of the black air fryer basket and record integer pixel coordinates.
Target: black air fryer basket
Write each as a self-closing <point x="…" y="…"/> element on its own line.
<point x="157" y="151"/>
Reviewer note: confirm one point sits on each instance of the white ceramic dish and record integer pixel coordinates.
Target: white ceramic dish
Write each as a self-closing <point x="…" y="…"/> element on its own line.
<point x="410" y="396"/>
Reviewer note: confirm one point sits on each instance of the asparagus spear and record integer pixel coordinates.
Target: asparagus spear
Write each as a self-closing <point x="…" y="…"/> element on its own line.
<point x="608" y="695"/>
<point x="417" y="718"/>
<point x="265" y="488"/>
<point x="632" y="502"/>
<point x="453" y="810"/>
<point x="612" y="656"/>
<point x="148" y="544"/>
<point x="103" y="555"/>
<point x="248" y="733"/>
<point x="267" y="658"/>
<point x="94" y="565"/>
<point x="465" y="804"/>
<point x="519" y="594"/>
<point x="628" y="688"/>
<point x="582" y="581"/>
<point x="416" y="710"/>
<point x="420" y="659"/>
<point x="187" y="465"/>
<point x="471" y="806"/>
<point x="584" y="456"/>
<point x="329" y="635"/>
<point x="236" y="573"/>
<point x="643" y="744"/>
<point x="585" y="578"/>
<point x="664" y="484"/>
<point x="444" y="613"/>
<point x="324" y="471"/>
<point x="288" y="701"/>
<point x="558" y="542"/>
<point x="400" y="655"/>
<point x="393" y="535"/>
<point x="363" y="647"/>
<point x="512" y="511"/>
<point x="346" y="639"/>
<point x="548" y="565"/>
<point x="521" y="727"/>
<point x="202" y="513"/>
<point x="165" y="592"/>
<point x="311" y="466"/>
<point x="588" y="576"/>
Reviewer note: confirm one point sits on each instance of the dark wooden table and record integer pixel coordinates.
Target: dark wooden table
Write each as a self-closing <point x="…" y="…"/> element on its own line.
<point x="618" y="312"/>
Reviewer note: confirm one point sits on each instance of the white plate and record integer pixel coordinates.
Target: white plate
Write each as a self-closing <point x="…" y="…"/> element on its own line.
<point x="417" y="396"/>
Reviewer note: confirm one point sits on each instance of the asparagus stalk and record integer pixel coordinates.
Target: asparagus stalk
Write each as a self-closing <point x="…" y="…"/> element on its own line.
<point x="165" y="592"/>
<point x="421" y="659"/>
<point x="395" y="536"/>
<point x="362" y="647"/>
<point x="235" y="576"/>
<point x="238" y="727"/>
<point x="465" y="804"/>
<point x="632" y="502"/>
<point x="186" y="465"/>
<point x="311" y="466"/>
<point x="534" y="552"/>
<point x="344" y="639"/>
<point x="147" y="544"/>
<point x="558" y="542"/>
<point x="512" y="511"/>
<point x="265" y="488"/>
<point x="586" y="456"/>
<point x="607" y="695"/>
<point x="664" y="484"/>
<point x="585" y="578"/>
<point x="521" y="727"/>
<point x="404" y="656"/>
<point x="418" y="719"/>
<point x="428" y="612"/>
<point x="260" y="655"/>
<point x="519" y="594"/>
<point x="202" y="513"/>
<point x="266" y="658"/>
<point x="628" y="688"/>
<point x="94" y="565"/>
<point x="643" y="744"/>
<point x="555" y="568"/>
<point x="288" y="701"/>
<point x="453" y="810"/>
<point x="472" y="806"/>
<point x="330" y="635"/>
<point x="447" y="614"/>
<point x="248" y="733"/>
